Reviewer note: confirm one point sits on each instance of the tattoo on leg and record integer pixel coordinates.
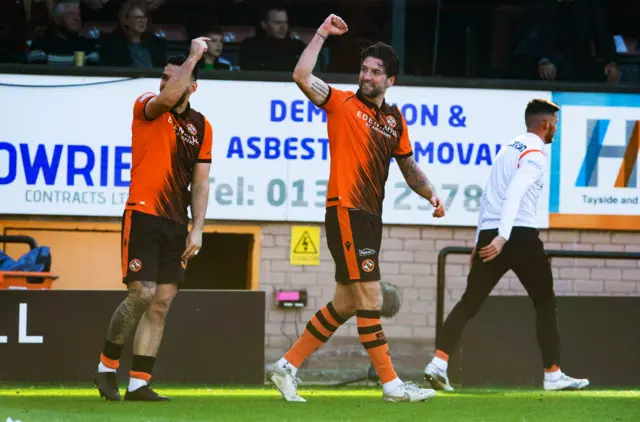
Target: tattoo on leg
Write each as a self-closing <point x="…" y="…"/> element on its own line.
<point x="126" y="317"/>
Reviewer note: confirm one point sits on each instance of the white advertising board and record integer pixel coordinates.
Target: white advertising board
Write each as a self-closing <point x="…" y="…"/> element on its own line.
<point x="65" y="147"/>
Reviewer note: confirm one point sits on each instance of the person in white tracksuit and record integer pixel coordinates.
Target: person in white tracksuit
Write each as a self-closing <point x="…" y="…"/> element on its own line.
<point x="507" y="239"/>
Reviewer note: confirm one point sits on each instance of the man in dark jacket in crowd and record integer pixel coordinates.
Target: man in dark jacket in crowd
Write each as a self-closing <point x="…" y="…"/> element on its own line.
<point x="274" y="49"/>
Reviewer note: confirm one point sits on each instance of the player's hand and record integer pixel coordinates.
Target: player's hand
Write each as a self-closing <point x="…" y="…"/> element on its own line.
<point x="438" y="206"/>
<point x="333" y="25"/>
<point x="493" y="249"/>
<point x="198" y="47"/>
<point x="194" y="243"/>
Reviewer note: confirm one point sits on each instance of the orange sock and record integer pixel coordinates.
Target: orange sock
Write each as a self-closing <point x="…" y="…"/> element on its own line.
<point x="140" y="375"/>
<point x="553" y="368"/>
<point x="109" y="363"/>
<point x="319" y="329"/>
<point x="442" y="355"/>
<point x="375" y="343"/>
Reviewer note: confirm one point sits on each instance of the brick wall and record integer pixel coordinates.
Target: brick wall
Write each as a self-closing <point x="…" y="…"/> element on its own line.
<point x="408" y="260"/>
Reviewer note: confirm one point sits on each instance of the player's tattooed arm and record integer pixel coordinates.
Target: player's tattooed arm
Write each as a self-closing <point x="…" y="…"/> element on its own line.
<point x="415" y="177"/>
<point x="319" y="87"/>
<point x="316" y="90"/>
<point x="313" y="87"/>
<point x="126" y="317"/>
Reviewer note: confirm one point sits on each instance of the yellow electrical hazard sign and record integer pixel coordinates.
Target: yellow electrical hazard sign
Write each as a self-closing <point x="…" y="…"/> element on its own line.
<point x="305" y="245"/>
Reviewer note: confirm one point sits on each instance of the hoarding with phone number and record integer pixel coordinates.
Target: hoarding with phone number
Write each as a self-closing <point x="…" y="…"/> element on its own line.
<point x="70" y="154"/>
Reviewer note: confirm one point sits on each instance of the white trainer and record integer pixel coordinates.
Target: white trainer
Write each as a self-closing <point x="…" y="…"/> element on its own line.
<point x="437" y="377"/>
<point x="281" y="378"/>
<point x="565" y="382"/>
<point x="409" y="392"/>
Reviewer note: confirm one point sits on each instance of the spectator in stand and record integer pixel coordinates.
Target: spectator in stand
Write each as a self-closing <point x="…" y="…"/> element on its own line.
<point x="132" y="43"/>
<point x="558" y="43"/>
<point x="577" y="23"/>
<point x="211" y="59"/>
<point x="59" y="44"/>
<point x="273" y="48"/>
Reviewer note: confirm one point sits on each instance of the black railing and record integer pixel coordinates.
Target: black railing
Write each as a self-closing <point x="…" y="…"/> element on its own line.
<point x="334" y="78"/>
<point x="553" y="253"/>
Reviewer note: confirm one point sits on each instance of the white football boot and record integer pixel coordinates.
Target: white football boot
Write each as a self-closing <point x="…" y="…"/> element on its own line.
<point x="564" y="382"/>
<point x="409" y="392"/>
<point x="437" y="377"/>
<point x="287" y="384"/>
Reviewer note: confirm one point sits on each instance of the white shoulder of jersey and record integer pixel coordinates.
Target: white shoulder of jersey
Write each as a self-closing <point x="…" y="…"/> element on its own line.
<point x="532" y="141"/>
<point x="527" y="145"/>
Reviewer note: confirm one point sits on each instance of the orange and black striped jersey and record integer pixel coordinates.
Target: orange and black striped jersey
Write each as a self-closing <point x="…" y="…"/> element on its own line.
<point x="164" y="153"/>
<point x="362" y="140"/>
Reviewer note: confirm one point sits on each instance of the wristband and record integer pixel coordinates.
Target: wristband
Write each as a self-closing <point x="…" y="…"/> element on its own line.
<point x="322" y="36"/>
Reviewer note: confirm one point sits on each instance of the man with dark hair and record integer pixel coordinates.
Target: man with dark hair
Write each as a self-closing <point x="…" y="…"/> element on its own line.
<point x="171" y="151"/>
<point x="507" y="239"/>
<point x="365" y="133"/>
<point x="273" y="48"/>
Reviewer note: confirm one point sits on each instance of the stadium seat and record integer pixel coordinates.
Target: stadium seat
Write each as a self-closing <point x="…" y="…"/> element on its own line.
<point x="303" y="34"/>
<point x="96" y="29"/>
<point x="632" y="45"/>
<point x="171" y="32"/>
<point x="237" y="34"/>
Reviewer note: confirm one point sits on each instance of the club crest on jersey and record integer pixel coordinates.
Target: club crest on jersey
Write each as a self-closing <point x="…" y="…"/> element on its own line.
<point x="192" y="129"/>
<point x="391" y="121"/>
<point x="187" y="138"/>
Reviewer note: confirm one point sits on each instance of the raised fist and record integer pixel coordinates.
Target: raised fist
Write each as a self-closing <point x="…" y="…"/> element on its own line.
<point x="333" y="25"/>
<point x="198" y="47"/>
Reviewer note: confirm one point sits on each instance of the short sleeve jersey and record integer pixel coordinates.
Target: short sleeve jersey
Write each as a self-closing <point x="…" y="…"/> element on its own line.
<point x="164" y="153"/>
<point x="362" y="140"/>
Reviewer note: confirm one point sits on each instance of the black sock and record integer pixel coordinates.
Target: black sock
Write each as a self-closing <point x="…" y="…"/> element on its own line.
<point x="111" y="354"/>
<point x="142" y="367"/>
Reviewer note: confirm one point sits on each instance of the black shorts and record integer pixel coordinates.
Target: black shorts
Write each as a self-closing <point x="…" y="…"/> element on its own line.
<point x="354" y="239"/>
<point x="151" y="248"/>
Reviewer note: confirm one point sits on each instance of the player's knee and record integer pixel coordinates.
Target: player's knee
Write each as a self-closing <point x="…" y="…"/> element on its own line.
<point x="140" y="299"/>
<point x="346" y="309"/>
<point x="369" y="302"/>
<point x="159" y="307"/>
<point x="368" y="296"/>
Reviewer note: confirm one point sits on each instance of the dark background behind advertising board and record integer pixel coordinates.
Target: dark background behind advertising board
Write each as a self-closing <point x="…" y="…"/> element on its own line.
<point x="599" y="340"/>
<point x="211" y="337"/>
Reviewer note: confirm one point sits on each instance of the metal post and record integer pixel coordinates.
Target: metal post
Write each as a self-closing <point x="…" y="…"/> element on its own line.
<point x="398" y="22"/>
<point x="436" y="38"/>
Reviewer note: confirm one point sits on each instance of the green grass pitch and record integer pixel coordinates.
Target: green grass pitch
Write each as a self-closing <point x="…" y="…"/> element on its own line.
<point x="199" y="403"/>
